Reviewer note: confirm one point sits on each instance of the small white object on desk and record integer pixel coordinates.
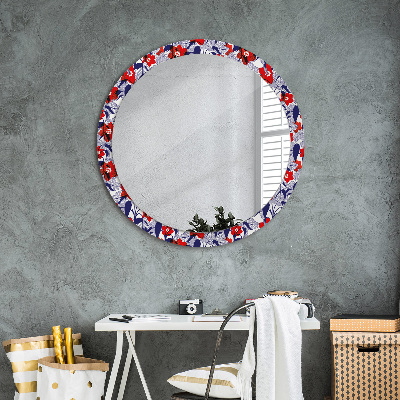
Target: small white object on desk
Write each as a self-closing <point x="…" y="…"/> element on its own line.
<point x="149" y="317"/>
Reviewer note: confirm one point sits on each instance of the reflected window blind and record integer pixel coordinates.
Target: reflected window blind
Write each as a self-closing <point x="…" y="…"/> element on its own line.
<point x="275" y="143"/>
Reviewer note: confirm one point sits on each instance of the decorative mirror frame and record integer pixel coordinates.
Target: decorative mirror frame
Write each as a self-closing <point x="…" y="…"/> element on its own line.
<point x="105" y="132"/>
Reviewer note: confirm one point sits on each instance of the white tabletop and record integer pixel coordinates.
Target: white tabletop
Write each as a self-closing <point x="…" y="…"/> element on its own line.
<point x="183" y="323"/>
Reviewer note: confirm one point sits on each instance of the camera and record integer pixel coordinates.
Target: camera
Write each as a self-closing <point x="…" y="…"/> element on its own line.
<point x="190" y="307"/>
<point x="307" y="309"/>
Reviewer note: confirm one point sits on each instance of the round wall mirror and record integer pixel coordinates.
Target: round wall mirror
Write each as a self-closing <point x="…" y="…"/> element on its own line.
<point x="211" y="146"/>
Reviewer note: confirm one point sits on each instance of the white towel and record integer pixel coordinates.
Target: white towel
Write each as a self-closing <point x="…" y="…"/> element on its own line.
<point x="278" y="351"/>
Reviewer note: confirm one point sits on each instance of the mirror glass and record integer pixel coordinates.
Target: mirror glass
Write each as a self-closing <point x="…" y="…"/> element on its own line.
<point x="200" y="132"/>
<point x="200" y="151"/>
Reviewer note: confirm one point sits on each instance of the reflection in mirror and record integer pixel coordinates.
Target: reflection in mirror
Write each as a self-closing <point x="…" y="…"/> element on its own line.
<point x="199" y="132"/>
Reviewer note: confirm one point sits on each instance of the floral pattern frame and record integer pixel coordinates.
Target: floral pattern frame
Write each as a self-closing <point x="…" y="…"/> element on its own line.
<point x="123" y="199"/>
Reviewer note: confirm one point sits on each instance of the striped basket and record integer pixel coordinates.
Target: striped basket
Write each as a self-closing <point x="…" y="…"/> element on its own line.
<point x="24" y="355"/>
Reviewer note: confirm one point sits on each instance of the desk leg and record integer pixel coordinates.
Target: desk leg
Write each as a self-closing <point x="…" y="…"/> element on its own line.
<point x="125" y="373"/>
<point x="130" y="336"/>
<point x="115" y="367"/>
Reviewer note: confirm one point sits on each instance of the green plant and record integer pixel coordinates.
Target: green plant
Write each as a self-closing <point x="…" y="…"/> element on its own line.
<point x="201" y="225"/>
<point x="221" y="221"/>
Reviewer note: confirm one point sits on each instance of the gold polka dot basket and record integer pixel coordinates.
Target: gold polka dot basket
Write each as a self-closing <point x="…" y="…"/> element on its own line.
<point x="83" y="380"/>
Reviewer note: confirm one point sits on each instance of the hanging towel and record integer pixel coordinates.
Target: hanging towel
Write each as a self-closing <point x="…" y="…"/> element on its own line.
<point x="278" y="374"/>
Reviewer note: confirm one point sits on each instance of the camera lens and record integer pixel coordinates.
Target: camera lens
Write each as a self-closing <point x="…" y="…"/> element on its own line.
<point x="191" y="308"/>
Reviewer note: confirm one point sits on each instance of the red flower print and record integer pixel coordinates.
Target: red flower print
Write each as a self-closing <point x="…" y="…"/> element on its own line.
<point x="103" y="114"/>
<point x="298" y="165"/>
<point x="229" y="240"/>
<point x="181" y="242"/>
<point x="108" y="170"/>
<point x="267" y="220"/>
<point x="245" y="56"/>
<point x="236" y="230"/>
<point x="200" y="235"/>
<point x="180" y="50"/>
<point x="298" y="124"/>
<point x="261" y="224"/>
<point x="291" y="136"/>
<point x="100" y="153"/>
<point x="160" y="51"/>
<point x="287" y="98"/>
<point x="113" y="94"/>
<point x="302" y="152"/>
<point x="124" y="193"/>
<point x="198" y="41"/>
<point x="167" y="231"/>
<point x="267" y="75"/>
<point x="150" y="59"/>
<point x="177" y="51"/>
<point x="129" y="75"/>
<point x="288" y="176"/>
<point x="106" y="131"/>
<point x="230" y="49"/>
<point x="147" y="217"/>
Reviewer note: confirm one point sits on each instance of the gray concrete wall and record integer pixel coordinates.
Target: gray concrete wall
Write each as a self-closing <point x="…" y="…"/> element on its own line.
<point x="69" y="256"/>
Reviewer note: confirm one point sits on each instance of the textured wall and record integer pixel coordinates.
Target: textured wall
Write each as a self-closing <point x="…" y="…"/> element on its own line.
<point x="68" y="256"/>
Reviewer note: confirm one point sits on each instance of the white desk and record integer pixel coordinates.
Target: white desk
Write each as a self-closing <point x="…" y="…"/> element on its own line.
<point x="176" y="323"/>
